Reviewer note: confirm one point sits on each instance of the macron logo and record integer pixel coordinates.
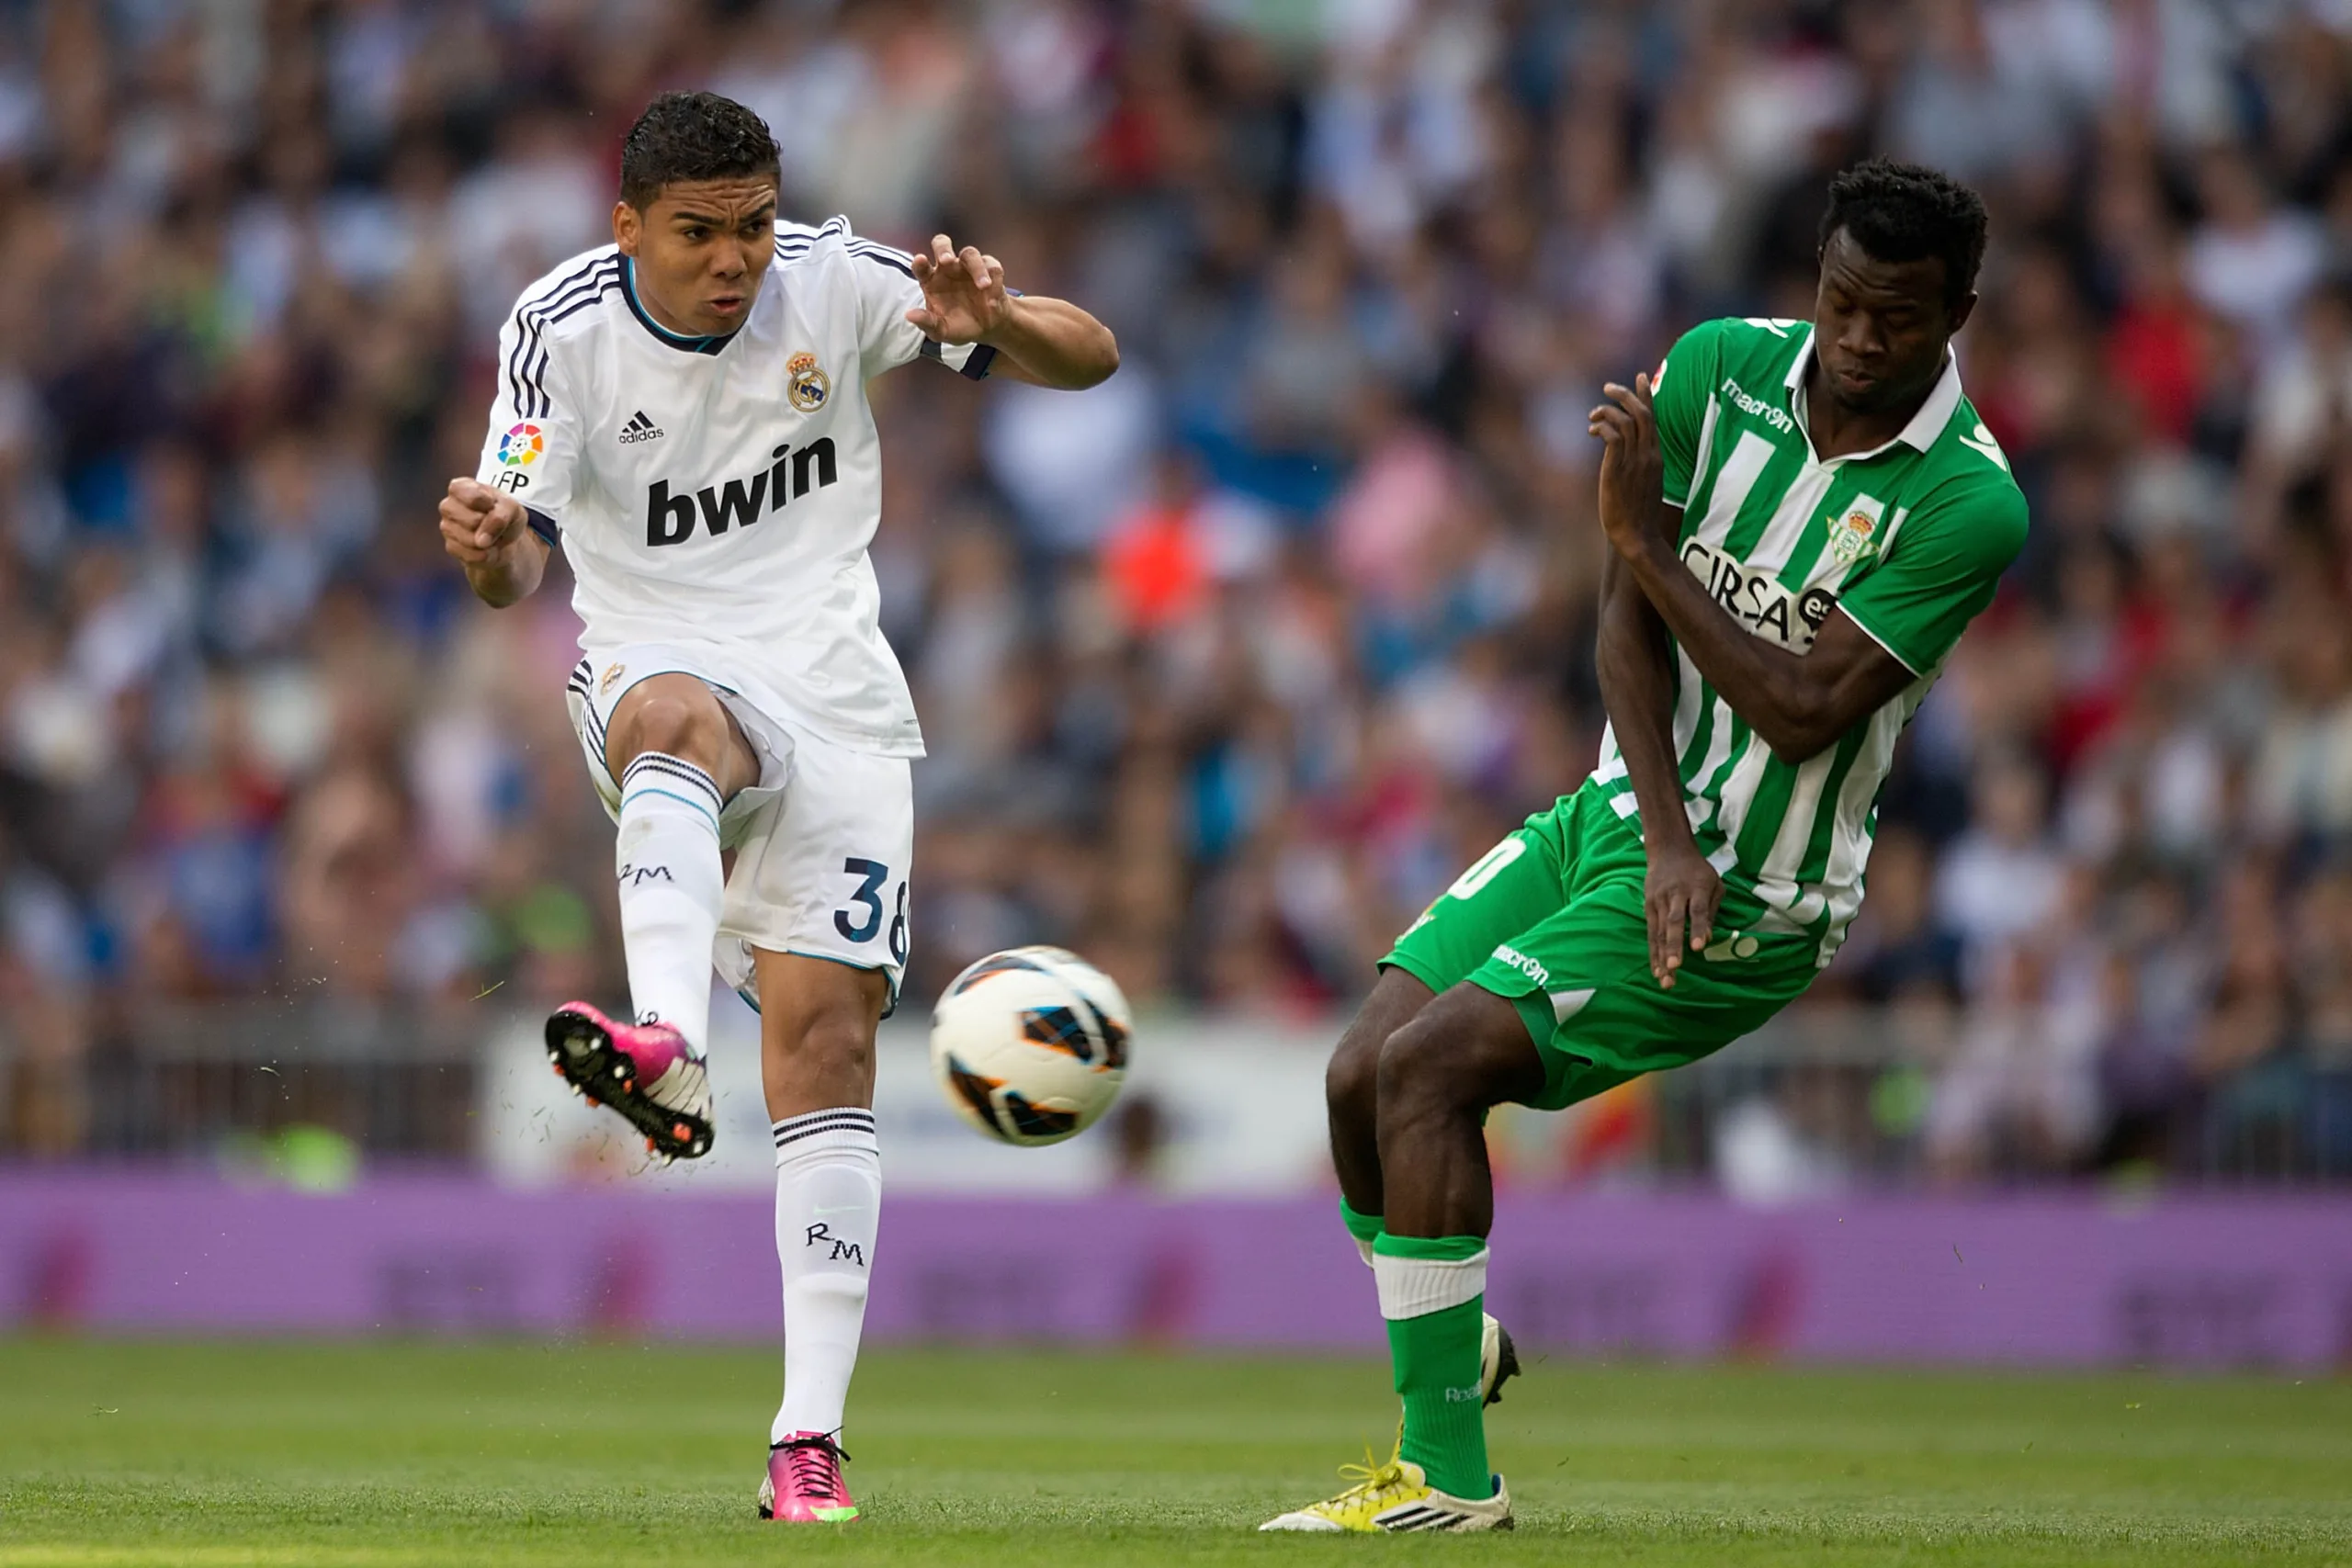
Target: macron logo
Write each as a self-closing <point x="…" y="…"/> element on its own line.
<point x="639" y="428"/>
<point x="1528" y="966"/>
<point x="1750" y="404"/>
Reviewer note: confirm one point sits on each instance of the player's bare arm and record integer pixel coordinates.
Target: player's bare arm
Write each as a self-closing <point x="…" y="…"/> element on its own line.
<point x="1632" y="657"/>
<point x="488" y="533"/>
<point x="1798" y="703"/>
<point x="1045" y="341"/>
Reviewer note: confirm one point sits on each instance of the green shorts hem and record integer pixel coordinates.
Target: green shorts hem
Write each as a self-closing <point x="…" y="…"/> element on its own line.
<point x="1400" y="959"/>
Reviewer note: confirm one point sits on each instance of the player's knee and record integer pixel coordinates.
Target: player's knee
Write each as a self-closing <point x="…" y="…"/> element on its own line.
<point x="675" y="724"/>
<point x="1466" y="1051"/>
<point x="1352" y="1081"/>
<point x="1411" y="1073"/>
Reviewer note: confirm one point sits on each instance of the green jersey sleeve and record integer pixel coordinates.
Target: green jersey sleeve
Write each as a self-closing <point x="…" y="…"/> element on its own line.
<point x="1678" y="401"/>
<point x="1938" y="572"/>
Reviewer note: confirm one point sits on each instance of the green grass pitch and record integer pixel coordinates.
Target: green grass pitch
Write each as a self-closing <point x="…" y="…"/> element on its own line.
<point x="360" y="1455"/>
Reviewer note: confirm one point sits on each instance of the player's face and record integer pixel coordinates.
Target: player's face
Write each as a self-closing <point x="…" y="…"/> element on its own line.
<point x="1879" y="328"/>
<point x="701" y="248"/>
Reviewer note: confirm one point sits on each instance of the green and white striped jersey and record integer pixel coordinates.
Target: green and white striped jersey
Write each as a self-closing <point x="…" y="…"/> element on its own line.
<point x="1908" y="539"/>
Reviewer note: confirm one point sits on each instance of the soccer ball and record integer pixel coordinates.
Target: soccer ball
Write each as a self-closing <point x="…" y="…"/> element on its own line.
<point x="1030" y="1044"/>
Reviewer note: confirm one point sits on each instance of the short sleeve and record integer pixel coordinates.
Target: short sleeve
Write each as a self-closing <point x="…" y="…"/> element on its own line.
<point x="1678" y="402"/>
<point x="532" y="451"/>
<point x="1937" y="573"/>
<point x="884" y="276"/>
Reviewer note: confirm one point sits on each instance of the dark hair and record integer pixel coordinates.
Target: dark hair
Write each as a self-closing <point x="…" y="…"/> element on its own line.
<point x="693" y="136"/>
<point x="1901" y="212"/>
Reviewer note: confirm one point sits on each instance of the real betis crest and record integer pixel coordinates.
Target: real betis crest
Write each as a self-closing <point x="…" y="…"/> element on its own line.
<point x="1854" y="539"/>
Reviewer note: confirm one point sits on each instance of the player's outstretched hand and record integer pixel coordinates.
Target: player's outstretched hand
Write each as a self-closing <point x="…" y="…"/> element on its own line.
<point x="963" y="298"/>
<point x="1683" y="891"/>
<point x="478" y="521"/>
<point x="1633" y="468"/>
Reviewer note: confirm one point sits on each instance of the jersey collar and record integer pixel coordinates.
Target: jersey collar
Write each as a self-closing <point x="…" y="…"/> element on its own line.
<point x="663" y="335"/>
<point x="1943" y="399"/>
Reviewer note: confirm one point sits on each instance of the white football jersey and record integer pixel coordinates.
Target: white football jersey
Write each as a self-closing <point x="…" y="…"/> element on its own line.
<point x="718" y="494"/>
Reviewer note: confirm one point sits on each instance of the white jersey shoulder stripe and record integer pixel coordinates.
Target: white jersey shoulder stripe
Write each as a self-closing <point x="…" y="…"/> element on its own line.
<point x="526" y="362"/>
<point x="523" y="345"/>
<point x="545" y="291"/>
<point x="796" y="239"/>
<point x="889" y="256"/>
<point x="534" y="377"/>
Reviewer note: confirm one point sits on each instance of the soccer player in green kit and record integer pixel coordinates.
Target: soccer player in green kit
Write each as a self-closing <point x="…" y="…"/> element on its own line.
<point x="1801" y="518"/>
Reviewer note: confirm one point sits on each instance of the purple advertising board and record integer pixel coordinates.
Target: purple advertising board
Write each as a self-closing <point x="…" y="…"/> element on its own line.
<point x="2058" y="1278"/>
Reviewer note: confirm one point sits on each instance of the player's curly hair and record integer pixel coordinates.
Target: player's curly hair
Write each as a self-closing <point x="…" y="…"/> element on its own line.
<point x="1900" y="212"/>
<point x="693" y="136"/>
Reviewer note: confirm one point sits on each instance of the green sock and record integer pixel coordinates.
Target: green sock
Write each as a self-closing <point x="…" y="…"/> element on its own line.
<point x="1436" y="1359"/>
<point x="1365" y="1228"/>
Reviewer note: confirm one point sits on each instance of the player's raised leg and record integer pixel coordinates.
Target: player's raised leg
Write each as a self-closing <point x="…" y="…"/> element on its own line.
<point x="677" y="756"/>
<point x="817" y="1023"/>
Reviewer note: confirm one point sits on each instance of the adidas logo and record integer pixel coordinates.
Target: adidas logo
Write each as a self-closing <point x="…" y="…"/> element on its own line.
<point x="639" y="428"/>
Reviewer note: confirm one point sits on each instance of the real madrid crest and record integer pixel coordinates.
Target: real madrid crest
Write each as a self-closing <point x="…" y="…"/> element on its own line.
<point x="1852" y="540"/>
<point x="806" y="382"/>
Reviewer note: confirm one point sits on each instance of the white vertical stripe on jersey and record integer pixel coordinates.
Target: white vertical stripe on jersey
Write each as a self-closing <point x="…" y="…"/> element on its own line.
<point x="1718" y="751"/>
<point x="1741" y="470"/>
<point x="1699" y="458"/>
<point x="1849" y="837"/>
<point x="1738" y="795"/>
<point x="1706" y="437"/>
<point x="1787" y="525"/>
<point x="1776" y="881"/>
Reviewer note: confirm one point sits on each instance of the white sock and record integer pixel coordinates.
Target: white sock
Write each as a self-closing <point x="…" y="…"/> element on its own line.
<point x="828" y="1203"/>
<point x="1414" y="1287"/>
<point x="672" y="888"/>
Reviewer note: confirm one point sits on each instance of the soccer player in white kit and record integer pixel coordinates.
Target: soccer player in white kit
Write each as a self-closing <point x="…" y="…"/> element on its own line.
<point x="684" y="412"/>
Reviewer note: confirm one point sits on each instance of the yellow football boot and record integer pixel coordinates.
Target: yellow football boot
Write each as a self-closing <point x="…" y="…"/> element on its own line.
<point x="1397" y="1497"/>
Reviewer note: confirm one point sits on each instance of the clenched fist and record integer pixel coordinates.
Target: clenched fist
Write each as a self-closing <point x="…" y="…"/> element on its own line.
<point x="478" y="523"/>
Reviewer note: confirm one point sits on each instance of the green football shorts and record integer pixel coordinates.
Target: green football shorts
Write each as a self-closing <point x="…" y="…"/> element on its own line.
<point x="1552" y="919"/>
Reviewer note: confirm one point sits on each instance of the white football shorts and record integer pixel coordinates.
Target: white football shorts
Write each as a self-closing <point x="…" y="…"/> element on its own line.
<point x="823" y="843"/>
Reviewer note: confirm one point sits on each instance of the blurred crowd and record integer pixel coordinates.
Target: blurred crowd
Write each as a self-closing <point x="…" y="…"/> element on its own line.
<point x="1229" y="665"/>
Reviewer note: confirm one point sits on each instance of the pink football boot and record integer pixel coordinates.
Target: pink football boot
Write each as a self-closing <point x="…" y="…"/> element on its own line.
<point x="645" y="1071"/>
<point x="803" y="1485"/>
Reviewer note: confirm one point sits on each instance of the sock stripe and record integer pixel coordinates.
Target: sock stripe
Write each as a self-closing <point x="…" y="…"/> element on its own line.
<point x="1410" y="1287"/>
<point x="654" y="773"/>
<point x="821" y="1117"/>
<point x="676" y="764"/>
<point x="644" y="790"/>
<point x="670" y="767"/>
<point x="808" y="1126"/>
<point x="811" y="1123"/>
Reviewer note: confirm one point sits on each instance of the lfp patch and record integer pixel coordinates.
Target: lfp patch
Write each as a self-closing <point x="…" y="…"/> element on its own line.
<point x="521" y="447"/>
